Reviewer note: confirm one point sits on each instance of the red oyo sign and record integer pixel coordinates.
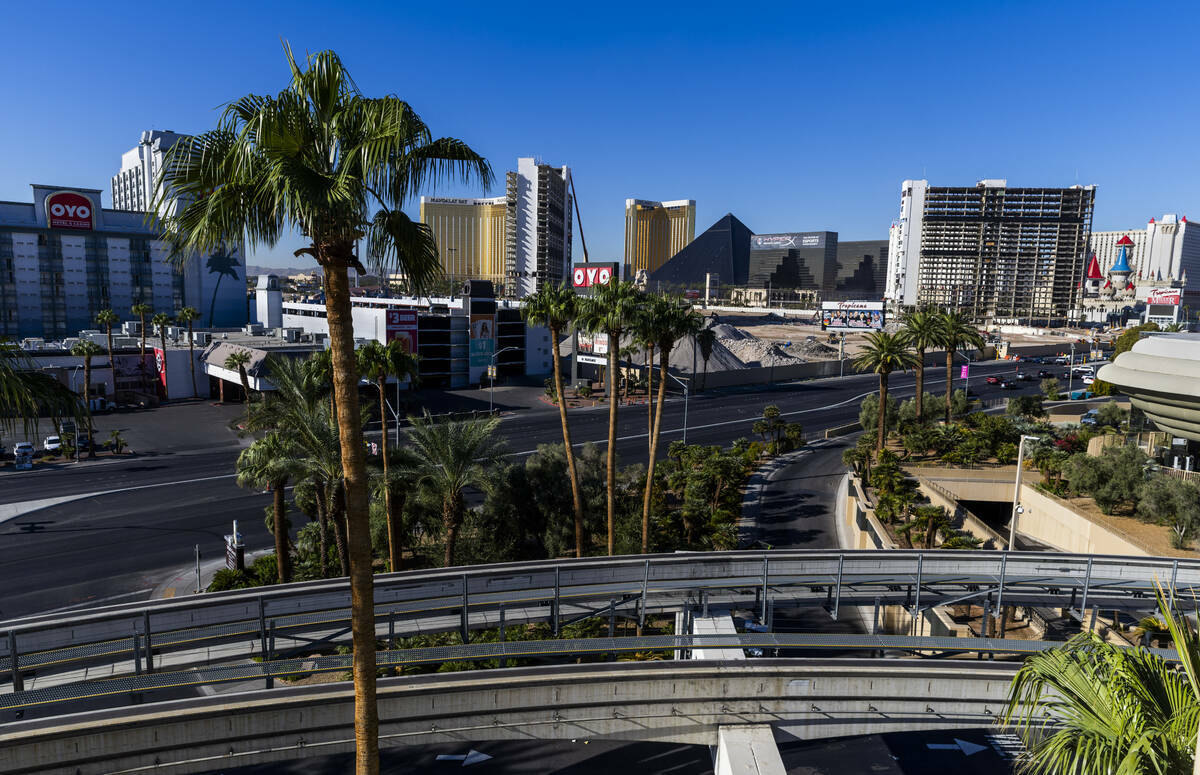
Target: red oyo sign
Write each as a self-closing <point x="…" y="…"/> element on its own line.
<point x="586" y="276"/>
<point x="68" y="210"/>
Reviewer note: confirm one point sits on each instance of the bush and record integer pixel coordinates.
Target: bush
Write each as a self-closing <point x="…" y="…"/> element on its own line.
<point x="584" y="391"/>
<point x="1113" y="479"/>
<point x="1052" y="388"/>
<point x="1026" y="406"/>
<point x="1006" y="453"/>
<point x="226" y="579"/>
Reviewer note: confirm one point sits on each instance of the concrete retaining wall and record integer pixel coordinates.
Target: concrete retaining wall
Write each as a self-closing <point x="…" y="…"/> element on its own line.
<point x="1053" y="521"/>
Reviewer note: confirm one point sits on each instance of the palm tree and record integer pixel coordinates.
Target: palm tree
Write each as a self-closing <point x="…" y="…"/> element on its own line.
<point x="956" y="330"/>
<point x="610" y="310"/>
<point x="236" y="361"/>
<point x="921" y="330"/>
<point x="455" y="455"/>
<point x="705" y="339"/>
<point x="87" y="349"/>
<point x="160" y="321"/>
<point x="141" y="309"/>
<point x="377" y="362"/>
<point x="1092" y="707"/>
<point x="322" y="160"/>
<point x="555" y="308"/>
<point x="106" y="319"/>
<point x="394" y="489"/>
<point x="269" y="463"/>
<point x="26" y="393"/>
<point x="188" y="316"/>
<point x="664" y="322"/>
<point x="884" y="353"/>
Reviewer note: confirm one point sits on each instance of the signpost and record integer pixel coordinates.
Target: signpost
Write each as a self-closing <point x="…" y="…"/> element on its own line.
<point x="235" y="550"/>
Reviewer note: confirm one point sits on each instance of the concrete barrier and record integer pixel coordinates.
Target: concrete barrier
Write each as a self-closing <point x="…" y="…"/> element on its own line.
<point x="683" y="702"/>
<point x="842" y="430"/>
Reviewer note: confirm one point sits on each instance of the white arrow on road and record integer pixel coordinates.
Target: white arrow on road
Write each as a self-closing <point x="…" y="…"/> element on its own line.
<point x="965" y="746"/>
<point x="467" y="759"/>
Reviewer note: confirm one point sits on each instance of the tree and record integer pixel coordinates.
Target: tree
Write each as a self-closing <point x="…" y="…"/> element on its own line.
<point x="322" y="160"/>
<point x="610" y="310"/>
<point x="87" y="350"/>
<point x="705" y="339"/>
<point x="377" y="362"/>
<point x="455" y="455"/>
<point x="1112" y="479"/>
<point x="160" y="321"/>
<point x="1174" y="503"/>
<point x="882" y="354"/>
<point x="236" y="361"/>
<point x="188" y="316"/>
<point x="1051" y="388"/>
<point x="106" y="319"/>
<point x="1092" y="707"/>
<point x="555" y="308"/>
<point x="665" y="321"/>
<point x="922" y="330"/>
<point x="1112" y="416"/>
<point x="269" y="463"/>
<point x="1025" y="406"/>
<point x="26" y="393"/>
<point x="955" y="331"/>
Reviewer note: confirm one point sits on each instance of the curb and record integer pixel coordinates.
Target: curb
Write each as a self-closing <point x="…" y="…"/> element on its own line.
<point x="747" y="524"/>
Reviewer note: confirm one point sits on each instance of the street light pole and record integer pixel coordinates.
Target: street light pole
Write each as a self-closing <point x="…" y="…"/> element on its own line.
<point x="1016" y="509"/>
<point x="1071" y="372"/>
<point x="686" y="391"/>
<point x="492" y="378"/>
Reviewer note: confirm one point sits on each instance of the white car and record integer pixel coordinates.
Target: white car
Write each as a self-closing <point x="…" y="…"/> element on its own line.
<point x="52" y="444"/>
<point x="1088" y="379"/>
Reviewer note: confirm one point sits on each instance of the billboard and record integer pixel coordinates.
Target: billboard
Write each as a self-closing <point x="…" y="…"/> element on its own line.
<point x="68" y="210"/>
<point x="593" y="344"/>
<point x="589" y="274"/>
<point x="1164" y="296"/>
<point x="852" y="315"/>
<point x="401" y="325"/>
<point x="787" y="241"/>
<point x="483" y="339"/>
<point x="160" y="364"/>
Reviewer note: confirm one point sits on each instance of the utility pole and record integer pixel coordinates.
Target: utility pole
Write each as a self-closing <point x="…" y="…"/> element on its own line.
<point x="1016" y="508"/>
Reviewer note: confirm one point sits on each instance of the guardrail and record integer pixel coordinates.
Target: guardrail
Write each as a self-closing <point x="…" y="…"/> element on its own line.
<point x="202" y="631"/>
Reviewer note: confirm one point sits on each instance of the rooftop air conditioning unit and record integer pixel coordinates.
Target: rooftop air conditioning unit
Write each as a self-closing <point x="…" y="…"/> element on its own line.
<point x="254" y="329"/>
<point x="131" y="328"/>
<point x="290" y="334"/>
<point x="201" y="337"/>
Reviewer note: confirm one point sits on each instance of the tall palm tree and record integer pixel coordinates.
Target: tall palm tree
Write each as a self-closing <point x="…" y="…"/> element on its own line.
<point x="321" y="159"/>
<point x="160" y="321"/>
<point x="394" y="489"/>
<point x="1092" y="707"/>
<point x="87" y="349"/>
<point x="610" y="310"/>
<point x="921" y="330"/>
<point x="555" y="308"/>
<point x="188" y="316"/>
<point x="705" y="339"/>
<point x="956" y="330"/>
<point x="236" y="361"/>
<point x="106" y="319"/>
<point x="269" y="462"/>
<point x="141" y="310"/>
<point x="665" y="321"/>
<point x="882" y="354"/>
<point x="455" y="455"/>
<point x="378" y="362"/>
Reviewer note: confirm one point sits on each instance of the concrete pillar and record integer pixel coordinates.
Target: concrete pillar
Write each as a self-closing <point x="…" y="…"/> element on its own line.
<point x="747" y="750"/>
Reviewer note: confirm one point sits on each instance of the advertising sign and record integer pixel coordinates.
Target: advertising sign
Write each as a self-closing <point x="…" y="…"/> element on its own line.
<point x="966" y="372"/>
<point x="786" y="241"/>
<point x="483" y="339"/>
<point x="587" y="275"/>
<point x="1164" y="296"/>
<point x="593" y="344"/>
<point x="68" y="210"/>
<point x="852" y="315"/>
<point x="401" y="325"/>
<point x="160" y="365"/>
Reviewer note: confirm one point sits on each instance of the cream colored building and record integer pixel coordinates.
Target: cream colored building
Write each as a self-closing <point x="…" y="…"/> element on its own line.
<point x="471" y="236"/>
<point x="656" y="231"/>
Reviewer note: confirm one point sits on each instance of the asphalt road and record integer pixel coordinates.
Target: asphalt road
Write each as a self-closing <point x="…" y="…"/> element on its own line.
<point x="965" y="752"/>
<point x="137" y="521"/>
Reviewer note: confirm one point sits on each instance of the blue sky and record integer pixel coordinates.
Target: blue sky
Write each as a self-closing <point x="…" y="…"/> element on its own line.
<point x="795" y="116"/>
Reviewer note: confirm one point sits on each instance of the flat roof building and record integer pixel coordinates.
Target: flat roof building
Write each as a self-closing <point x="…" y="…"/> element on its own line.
<point x="999" y="253"/>
<point x="656" y="231"/>
<point x="538" y="228"/>
<point x="471" y="235"/>
<point x="800" y="261"/>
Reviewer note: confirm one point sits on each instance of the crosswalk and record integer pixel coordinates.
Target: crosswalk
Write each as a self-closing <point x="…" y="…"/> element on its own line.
<point x="1006" y="745"/>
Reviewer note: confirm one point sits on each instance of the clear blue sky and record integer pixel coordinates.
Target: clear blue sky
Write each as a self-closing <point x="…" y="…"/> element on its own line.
<point x="800" y="117"/>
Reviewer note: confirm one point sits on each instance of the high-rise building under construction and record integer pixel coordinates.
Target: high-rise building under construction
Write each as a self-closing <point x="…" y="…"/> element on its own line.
<point x="998" y="253"/>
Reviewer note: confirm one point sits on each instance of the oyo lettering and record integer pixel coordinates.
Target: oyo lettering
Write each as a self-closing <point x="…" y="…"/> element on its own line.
<point x="70" y="211"/>
<point x="587" y="276"/>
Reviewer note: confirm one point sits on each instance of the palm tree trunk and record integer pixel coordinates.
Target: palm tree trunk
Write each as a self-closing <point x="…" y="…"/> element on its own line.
<point x="611" y="455"/>
<point x="393" y="550"/>
<point x="283" y="560"/>
<point x="112" y="363"/>
<point x="883" y="390"/>
<point x="664" y="357"/>
<point x="649" y="403"/>
<point x="920" y="382"/>
<point x="949" y="380"/>
<point x="354" y="470"/>
<point x="192" y="359"/>
<point x="337" y="514"/>
<point x="569" y="451"/>
<point x="221" y="387"/>
<point x="87" y="403"/>
<point x="704" y="377"/>
<point x="323" y="522"/>
<point x="451" y="521"/>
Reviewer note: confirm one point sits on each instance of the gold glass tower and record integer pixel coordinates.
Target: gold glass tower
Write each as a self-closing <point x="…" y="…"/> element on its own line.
<point x="470" y="234"/>
<point x="656" y="231"/>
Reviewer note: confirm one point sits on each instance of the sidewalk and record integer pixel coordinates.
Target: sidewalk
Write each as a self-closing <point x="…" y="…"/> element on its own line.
<point x="182" y="582"/>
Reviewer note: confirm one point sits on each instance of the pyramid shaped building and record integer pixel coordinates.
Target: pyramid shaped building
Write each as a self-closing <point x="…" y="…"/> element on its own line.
<point x="723" y="249"/>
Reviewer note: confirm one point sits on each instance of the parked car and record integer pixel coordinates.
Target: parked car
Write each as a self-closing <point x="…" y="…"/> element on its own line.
<point x="22" y="448"/>
<point x="1044" y="374"/>
<point x="993" y="380"/>
<point x="52" y="444"/>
